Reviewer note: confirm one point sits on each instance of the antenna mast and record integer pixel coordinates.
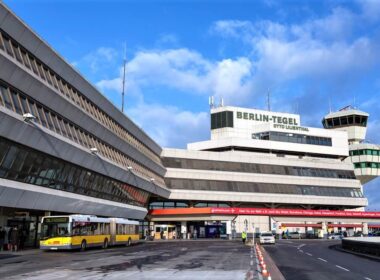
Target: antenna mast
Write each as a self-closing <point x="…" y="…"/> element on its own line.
<point x="124" y="65"/>
<point x="268" y="99"/>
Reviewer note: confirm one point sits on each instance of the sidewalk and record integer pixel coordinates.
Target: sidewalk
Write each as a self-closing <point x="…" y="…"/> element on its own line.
<point x="24" y="252"/>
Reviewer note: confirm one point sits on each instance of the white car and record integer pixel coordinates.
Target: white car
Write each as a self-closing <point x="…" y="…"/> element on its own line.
<point x="335" y="236"/>
<point x="267" y="238"/>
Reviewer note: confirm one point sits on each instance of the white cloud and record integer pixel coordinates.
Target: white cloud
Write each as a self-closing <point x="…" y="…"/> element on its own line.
<point x="170" y="126"/>
<point x="319" y="50"/>
<point x="186" y="70"/>
<point x="98" y="59"/>
<point x="370" y="9"/>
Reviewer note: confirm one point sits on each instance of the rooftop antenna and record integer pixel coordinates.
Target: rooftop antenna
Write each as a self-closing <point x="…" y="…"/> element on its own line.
<point x="268" y="99"/>
<point x="354" y="102"/>
<point x="211" y="101"/>
<point x="124" y="65"/>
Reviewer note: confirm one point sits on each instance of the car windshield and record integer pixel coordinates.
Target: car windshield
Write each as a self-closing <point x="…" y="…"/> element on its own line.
<point x="55" y="230"/>
<point x="266" y="234"/>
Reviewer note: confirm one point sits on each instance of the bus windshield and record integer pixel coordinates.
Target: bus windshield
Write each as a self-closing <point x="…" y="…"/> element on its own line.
<point x="55" y="230"/>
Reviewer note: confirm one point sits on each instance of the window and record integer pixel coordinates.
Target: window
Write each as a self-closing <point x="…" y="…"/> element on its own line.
<point x="6" y="97"/>
<point x="222" y="119"/>
<point x="25" y="59"/>
<point x="336" y="122"/>
<point x="17" y="53"/>
<point x="41" y="116"/>
<point x="1" y="42"/>
<point x="16" y="102"/>
<point x="24" y="104"/>
<point x="343" y="120"/>
<point x="8" y="46"/>
<point x="1" y="96"/>
<point x="357" y="120"/>
<point x="41" y="71"/>
<point x="34" y="66"/>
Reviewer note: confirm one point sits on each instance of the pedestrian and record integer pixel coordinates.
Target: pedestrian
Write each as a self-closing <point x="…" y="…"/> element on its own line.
<point x="22" y="237"/>
<point x="14" y="239"/>
<point x="243" y="236"/>
<point x="2" y="238"/>
<point x="195" y="233"/>
<point x="9" y="243"/>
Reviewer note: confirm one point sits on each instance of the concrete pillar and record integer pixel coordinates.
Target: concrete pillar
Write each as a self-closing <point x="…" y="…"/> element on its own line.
<point x="151" y="229"/>
<point x="228" y="229"/>
<point x="323" y="232"/>
<point x="365" y="229"/>
<point x="183" y="229"/>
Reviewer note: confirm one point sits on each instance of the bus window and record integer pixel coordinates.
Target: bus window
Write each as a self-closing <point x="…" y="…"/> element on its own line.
<point x="106" y="228"/>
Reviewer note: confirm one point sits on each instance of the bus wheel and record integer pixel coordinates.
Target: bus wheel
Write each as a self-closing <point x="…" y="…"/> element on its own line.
<point x="105" y="244"/>
<point x="129" y="242"/>
<point x="83" y="245"/>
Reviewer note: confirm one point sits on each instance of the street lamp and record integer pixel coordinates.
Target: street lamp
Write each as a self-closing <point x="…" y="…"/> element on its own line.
<point x="28" y="117"/>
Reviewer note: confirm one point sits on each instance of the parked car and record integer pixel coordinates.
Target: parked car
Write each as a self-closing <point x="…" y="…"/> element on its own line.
<point x="267" y="238"/>
<point x="335" y="236"/>
<point x="294" y="235"/>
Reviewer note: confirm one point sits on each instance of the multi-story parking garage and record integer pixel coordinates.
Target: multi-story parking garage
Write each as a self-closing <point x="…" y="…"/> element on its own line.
<point x="64" y="148"/>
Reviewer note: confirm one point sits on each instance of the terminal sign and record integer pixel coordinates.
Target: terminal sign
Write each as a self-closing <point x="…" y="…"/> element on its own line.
<point x="266" y="118"/>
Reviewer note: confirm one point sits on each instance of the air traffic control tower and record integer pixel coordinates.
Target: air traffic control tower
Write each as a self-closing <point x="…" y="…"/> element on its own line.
<point x="364" y="155"/>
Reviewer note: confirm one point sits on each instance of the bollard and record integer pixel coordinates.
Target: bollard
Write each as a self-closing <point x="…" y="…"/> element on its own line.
<point x="264" y="272"/>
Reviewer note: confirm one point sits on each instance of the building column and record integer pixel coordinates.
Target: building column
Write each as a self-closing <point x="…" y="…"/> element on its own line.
<point x="323" y="232"/>
<point x="183" y="229"/>
<point x="151" y="229"/>
<point x="229" y="229"/>
<point x="365" y="229"/>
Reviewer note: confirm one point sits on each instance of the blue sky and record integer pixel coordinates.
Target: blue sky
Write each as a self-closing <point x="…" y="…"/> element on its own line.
<point x="181" y="52"/>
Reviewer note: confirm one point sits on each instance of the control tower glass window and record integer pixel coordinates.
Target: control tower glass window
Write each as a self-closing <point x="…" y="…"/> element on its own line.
<point x="222" y="119"/>
<point x="356" y="120"/>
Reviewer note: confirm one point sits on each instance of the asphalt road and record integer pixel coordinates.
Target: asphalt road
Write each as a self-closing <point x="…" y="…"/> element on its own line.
<point x="314" y="260"/>
<point x="193" y="260"/>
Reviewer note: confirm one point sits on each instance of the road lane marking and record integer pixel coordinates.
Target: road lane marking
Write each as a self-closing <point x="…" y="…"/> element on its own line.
<point x="299" y="247"/>
<point x="322" y="259"/>
<point x="367" y="278"/>
<point x="338" y="266"/>
<point x="309" y="254"/>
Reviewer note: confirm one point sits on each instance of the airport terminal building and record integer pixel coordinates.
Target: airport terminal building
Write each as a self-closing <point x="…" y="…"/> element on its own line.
<point x="65" y="148"/>
<point x="257" y="160"/>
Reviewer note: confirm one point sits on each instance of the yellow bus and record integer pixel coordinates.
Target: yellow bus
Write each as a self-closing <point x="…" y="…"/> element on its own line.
<point x="84" y="231"/>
